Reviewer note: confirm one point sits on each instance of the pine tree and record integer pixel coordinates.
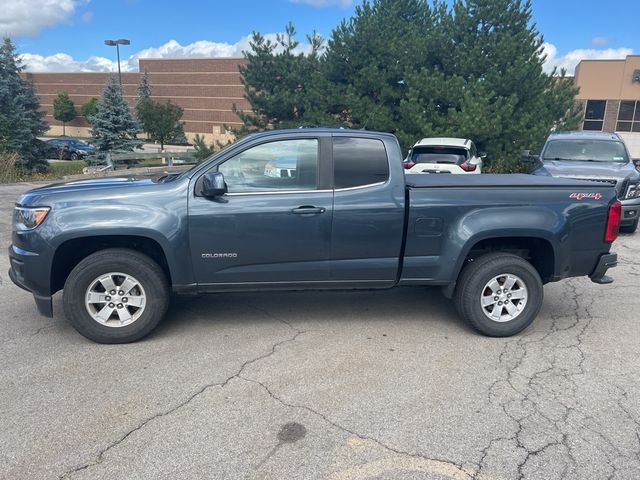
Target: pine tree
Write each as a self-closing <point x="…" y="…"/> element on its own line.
<point x="179" y="137"/>
<point x="144" y="107"/>
<point x="462" y="68"/>
<point x="63" y="110"/>
<point x="113" y="126"/>
<point x="367" y="61"/>
<point x="277" y="80"/>
<point x="21" y="110"/>
<point x="144" y="88"/>
<point x="490" y="85"/>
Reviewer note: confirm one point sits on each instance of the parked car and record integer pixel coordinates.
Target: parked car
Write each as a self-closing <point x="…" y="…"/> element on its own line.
<point x="443" y="155"/>
<point x="598" y="156"/>
<point x="68" y="148"/>
<point x="348" y="219"/>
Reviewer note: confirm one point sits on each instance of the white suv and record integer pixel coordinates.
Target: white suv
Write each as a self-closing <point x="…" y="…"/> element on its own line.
<point x="444" y="155"/>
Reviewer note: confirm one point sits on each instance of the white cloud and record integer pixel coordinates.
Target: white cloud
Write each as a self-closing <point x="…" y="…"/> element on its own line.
<point x="325" y="3"/>
<point x="570" y="60"/>
<point x="61" y="62"/>
<point x="29" y="17"/>
<point x="599" y="41"/>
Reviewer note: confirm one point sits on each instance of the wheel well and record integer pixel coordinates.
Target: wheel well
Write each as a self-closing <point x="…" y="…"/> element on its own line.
<point x="536" y="251"/>
<point x="71" y="252"/>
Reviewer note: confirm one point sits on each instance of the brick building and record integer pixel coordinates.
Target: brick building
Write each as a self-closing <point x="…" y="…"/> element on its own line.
<point x="610" y="95"/>
<point x="206" y="88"/>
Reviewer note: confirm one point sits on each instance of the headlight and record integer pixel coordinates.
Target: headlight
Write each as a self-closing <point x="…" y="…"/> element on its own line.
<point x="25" y="218"/>
<point x="633" y="191"/>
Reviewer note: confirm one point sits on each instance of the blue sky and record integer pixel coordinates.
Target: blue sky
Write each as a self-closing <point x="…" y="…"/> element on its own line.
<point x="63" y="35"/>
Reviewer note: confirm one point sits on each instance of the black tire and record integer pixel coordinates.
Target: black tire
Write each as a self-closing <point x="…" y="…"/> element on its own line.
<point x="74" y="156"/>
<point x="130" y="262"/>
<point x="471" y="287"/>
<point x="630" y="228"/>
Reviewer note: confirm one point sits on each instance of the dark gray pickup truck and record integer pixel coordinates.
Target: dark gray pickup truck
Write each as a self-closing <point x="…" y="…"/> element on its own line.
<point x="307" y="209"/>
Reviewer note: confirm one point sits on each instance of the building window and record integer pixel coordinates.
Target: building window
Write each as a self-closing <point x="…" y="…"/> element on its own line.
<point x="594" y="115"/>
<point x="629" y="116"/>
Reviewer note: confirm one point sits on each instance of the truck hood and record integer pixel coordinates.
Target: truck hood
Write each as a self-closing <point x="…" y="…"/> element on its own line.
<point x="95" y="185"/>
<point x="596" y="170"/>
<point x="618" y="173"/>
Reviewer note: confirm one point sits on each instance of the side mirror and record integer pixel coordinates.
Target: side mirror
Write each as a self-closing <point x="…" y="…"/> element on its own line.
<point x="213" y="185"/>
<point x="528" y="158"/>
<point x="482" y="155"/>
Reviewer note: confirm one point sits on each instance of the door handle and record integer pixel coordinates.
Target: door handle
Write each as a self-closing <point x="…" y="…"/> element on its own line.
<point x="308" y="210"/>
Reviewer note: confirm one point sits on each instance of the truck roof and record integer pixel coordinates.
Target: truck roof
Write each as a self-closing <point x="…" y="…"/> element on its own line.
<point x="303" y="130"/>
<point x="584" y="135"/>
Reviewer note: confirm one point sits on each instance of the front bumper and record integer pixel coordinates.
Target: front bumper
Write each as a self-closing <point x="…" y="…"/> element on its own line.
<point x="23" y="262"/>
<point x="606" y="261"/>
<point x="630" y="211"/>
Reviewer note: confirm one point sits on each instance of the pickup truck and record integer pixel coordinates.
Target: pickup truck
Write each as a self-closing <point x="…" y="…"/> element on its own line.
<point x="598" y="156"/>
<point x="344" y="217"/>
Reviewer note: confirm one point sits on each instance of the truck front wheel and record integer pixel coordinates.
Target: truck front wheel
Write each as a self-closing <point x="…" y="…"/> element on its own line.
<point x="116" y="296"/>
<point x="499" y="294"/>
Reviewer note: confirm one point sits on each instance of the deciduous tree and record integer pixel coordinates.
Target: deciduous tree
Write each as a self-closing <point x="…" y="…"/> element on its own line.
<point x="63" y="110"/>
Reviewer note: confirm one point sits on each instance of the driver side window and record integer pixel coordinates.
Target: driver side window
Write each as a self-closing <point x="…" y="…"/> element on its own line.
<point x="275" y="166"/>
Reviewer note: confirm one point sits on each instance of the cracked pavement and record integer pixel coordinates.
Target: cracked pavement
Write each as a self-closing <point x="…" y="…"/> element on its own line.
<point x="373" y="385"/>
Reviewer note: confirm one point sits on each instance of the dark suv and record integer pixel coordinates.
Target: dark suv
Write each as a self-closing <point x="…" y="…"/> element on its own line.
<point x="598" y="156"/>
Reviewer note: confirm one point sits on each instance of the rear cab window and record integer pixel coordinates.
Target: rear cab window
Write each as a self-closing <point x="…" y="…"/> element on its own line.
<point x="439" y="154"/>
<point x="359" y="162"/>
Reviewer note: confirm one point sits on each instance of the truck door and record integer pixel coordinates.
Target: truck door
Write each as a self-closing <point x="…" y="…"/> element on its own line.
<point x="368" y="211"/>
<point x="274" y="224"/>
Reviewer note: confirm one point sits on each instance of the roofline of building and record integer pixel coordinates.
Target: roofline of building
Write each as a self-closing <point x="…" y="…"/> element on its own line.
<point x="192" y="58"/>
<point x="608" y="59"/>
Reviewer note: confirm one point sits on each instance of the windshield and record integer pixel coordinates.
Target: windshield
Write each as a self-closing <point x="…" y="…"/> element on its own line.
<point x="439" y="155"/>
<point x="586" y="151"/>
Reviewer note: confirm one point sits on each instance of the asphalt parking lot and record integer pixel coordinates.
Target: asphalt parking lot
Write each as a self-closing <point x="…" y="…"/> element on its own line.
<point x="338" y="385"/>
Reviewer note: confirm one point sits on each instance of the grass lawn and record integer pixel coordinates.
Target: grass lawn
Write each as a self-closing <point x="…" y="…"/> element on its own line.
<point x="60" y="169"/>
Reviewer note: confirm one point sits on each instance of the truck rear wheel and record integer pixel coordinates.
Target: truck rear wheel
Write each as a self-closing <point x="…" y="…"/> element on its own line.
<point x="116" y="296"/>
<point x="499" y="294"/>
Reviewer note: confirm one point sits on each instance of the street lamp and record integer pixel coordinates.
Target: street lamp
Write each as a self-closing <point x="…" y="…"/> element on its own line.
<point x="117" y="43"/>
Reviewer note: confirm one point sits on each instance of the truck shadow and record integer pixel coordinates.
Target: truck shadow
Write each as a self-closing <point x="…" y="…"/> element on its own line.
<point x="413" y="304"/>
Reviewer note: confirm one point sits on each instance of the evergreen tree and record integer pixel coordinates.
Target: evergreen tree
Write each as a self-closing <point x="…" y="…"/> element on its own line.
<point x="202" y="149"/>
<point x="277" y="80"/>
<point x="89" y="108"/>
<point x="20" y="108"/>
<point x="63" y="110"/>
<point x="144" y="88"/>
<point x="113" y="126"/>
<point x="179" y="137"/>
<point x="418" y="68"/>
<point x="368" y="58"/>
<point x="490" y="85"/>
<point x="144" y="107"/>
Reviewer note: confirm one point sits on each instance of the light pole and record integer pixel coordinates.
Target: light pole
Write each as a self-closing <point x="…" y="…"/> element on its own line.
<point x="117" y="43"/>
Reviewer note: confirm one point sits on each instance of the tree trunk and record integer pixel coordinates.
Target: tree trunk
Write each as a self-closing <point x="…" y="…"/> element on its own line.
<point x="64" y="129"/>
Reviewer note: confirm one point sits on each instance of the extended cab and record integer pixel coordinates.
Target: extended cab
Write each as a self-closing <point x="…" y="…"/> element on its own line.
<point x="343" y="215"/>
